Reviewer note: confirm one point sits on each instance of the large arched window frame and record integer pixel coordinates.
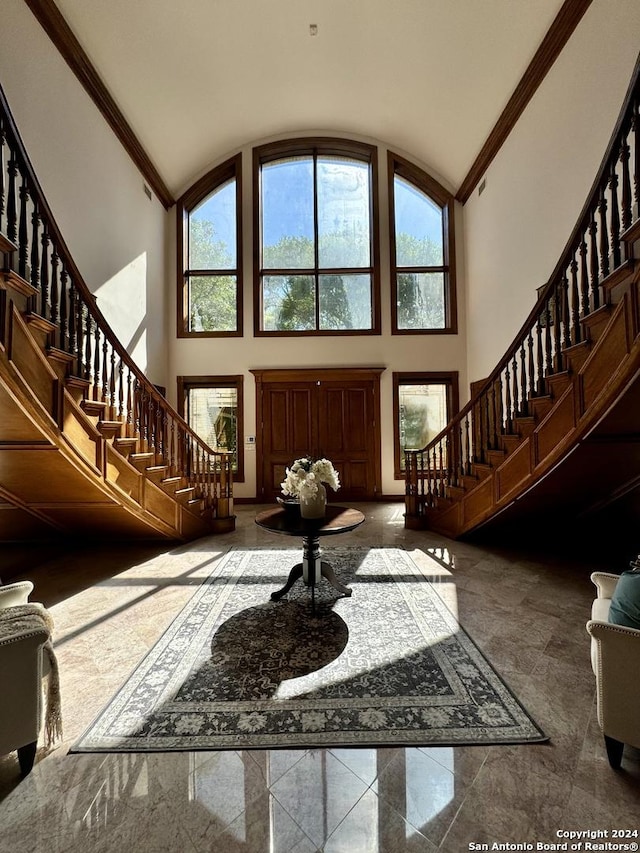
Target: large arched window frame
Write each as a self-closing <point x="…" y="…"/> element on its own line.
<point x="313" y="274"/>
<point x="436" y="280"/>
<point x="190" y="278"/>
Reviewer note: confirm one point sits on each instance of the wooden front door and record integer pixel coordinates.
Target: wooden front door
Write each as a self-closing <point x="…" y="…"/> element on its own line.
<point x="332" y="413"/>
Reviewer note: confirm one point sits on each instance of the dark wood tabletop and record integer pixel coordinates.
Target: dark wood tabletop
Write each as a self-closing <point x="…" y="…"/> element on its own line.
<point x="337" y="519"/>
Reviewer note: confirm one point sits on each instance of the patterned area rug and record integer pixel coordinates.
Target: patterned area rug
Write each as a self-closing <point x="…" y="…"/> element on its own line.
<point x="388" y="666"/>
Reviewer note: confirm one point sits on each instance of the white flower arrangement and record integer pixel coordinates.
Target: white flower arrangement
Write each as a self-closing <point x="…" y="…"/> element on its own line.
<point x="305" y="475"/>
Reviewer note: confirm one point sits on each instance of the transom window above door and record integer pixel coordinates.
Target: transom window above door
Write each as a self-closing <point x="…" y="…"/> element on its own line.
<point x="316" y="241"/>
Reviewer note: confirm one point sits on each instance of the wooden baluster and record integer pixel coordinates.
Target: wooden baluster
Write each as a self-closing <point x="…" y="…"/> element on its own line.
<point x="584" y="279"/>
<point x="88" y="340"/>
<point x="626" y="211"/>
<point x="595" y="266"/>
<point x="487" y="419"/>
<point x="524" y="397"/>
<point x="556" y="329"/>
<point x="494" y="409"/>
<point x="96" y="361"/>
<point x="44" y="272"/>
<point x="73" y="337"/>
<point x="575" y="303"/>
<point x="121" y="390"/>
<point x="12" y="210"/>
<point x="151" y="434"/>
<point x="64" y="309"/>
<point x="23" y="234"/>
<point x="429" y="489"/>
<point x="604" y="233"/>
<point x="104" y="377"/>
<point x="635" y="126"/>
<point x="137" y="411"/>
<point x="466" y="456"/>
<point x="532" y="368"/>
<point x="448" y="453"/>
<point x="500" y="404"/>
<point x="172" y="447"/>
<point x="440" y="470"/>
<point x="3" y="138"/>
<point x="130" y="414"/>
<point x="615" y="216"/>
<point x="462" y="453"/>
<point x="54" y="311"/>
<point x="540" y="389"/>
<point x="112" y="385"/>
<point x="566" y="316"/>
<point x="35" y="254"/>
<point x="548" y="331"/>
<point x="516" y="393"/>
<point x="507" y="385"/>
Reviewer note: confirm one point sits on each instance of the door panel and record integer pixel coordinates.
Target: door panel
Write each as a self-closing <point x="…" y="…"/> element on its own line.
<point x="332" y="413"/>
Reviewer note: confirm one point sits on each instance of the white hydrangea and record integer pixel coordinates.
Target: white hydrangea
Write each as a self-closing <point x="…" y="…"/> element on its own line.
<point x="304" y="475"/>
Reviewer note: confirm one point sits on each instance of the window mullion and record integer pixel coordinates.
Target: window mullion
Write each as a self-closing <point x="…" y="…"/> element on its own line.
<point x="316" y="253"/>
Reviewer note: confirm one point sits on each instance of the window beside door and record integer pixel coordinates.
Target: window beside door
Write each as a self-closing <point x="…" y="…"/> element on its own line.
<point x="212" y="406"/>
<point x="423" y="404"/>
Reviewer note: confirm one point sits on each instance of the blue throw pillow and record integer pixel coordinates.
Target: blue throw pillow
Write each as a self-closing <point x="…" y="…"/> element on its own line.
<point x="625" y="602"/>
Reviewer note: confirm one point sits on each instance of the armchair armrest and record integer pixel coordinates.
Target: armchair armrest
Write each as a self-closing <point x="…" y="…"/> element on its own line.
<point x="605" y="583"/>
<point x="617" y="670"/>
<point x="14" y="594"/>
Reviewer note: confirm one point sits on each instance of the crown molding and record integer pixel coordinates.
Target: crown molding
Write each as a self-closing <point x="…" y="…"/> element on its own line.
<point x="56" y="27"/>
<point x="550" y="48"/>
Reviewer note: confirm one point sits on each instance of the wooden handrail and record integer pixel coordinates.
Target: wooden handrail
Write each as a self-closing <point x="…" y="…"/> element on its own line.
<point x="594" y="251"/>
<point x="80" y="330"/>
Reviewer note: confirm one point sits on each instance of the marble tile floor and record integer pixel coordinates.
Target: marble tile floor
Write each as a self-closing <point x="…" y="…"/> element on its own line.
<point x="527" y="612"/>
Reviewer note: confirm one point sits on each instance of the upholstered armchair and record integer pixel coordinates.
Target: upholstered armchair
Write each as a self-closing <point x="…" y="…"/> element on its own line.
<point x="615" y="659"/>
<point x="22" y="668"/>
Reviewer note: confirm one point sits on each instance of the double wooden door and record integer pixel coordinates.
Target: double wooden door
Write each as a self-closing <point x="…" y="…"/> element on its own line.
<point x="332" y="413"/>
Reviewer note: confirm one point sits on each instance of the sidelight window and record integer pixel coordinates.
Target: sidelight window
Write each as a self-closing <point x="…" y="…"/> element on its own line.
<point x="212" y="406"/>
<point x="423" y="404"/>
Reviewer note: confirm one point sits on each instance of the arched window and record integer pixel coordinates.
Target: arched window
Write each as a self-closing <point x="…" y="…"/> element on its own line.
<point x="316" y="241"/>
<point x="423" y="291"/>
<point x="209" y="255"/>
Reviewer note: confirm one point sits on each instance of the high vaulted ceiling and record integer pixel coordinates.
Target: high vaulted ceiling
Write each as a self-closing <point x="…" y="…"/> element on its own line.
<point x="197" y="79"/>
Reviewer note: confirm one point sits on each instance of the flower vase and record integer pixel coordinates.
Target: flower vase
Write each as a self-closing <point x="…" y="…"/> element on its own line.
<point x="314" y="506"/>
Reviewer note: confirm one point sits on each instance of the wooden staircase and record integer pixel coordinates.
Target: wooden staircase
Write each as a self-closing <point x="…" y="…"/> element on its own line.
<point x="88" y="446"/>
<point x="555" y="427"/>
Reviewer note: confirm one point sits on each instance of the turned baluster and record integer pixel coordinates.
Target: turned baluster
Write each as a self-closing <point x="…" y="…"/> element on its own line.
<point x="584" y="281"/>
<point x="524" y="402"/>
<point x="73" y="338"/>
<point x="44" y="271"/>
<point x="515" y="398"/>
<point x="540" y="389"/>
<point x="532" y="368"/>
<point x="129" y="413"/>
<point x="3" y="137"/>
<point x="54" y="291"/>
<point x="557" y="339"/>
<point x="548" y="331"/>
<point x="35" y="253"/>
<point x="23" y="235"/>
<point x="494" y="409"/>
<point x="615" y="216"/>
<point x="575" y="302"/>
<point x="104" y="376"/>
<point x="487" y="420"/>
<point x="507" y="386"/>
<point x="565" y="313"/>
<point x="12" y="210"/>
<point x="64" y="310"/>
<point x="96" y="361"/>
<point x="500" y="404"/>
<point x="595" y="266"/>
<point x="121" y="390"/>
<point x="440" y="470"/>
<point x="112" y="384"/>
<point x="635" y="124"/>
<point x="604" y="234"/>
<point x="150" y="422"/>
<point x="88" y="341"/>
<point x="172" y="447"/>
<point x="626" y="211"/>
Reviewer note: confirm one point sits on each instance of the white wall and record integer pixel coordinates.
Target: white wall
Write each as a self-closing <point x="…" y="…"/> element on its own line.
<point x="535" y="188"/>
<point x="192" y="357"/>
<point x="116" y="236"/>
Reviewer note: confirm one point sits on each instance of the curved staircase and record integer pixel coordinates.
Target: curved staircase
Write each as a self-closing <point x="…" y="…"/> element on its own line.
<point x="88" y="446"/>
<point x="556" y="427"/>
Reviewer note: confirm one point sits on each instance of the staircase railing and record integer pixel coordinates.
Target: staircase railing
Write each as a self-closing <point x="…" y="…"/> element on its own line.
<point x="594" y="255"/>
<point x="79" y="334"/>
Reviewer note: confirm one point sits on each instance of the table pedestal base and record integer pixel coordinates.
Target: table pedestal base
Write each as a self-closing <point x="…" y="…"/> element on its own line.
<point x="308" y="570"/>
